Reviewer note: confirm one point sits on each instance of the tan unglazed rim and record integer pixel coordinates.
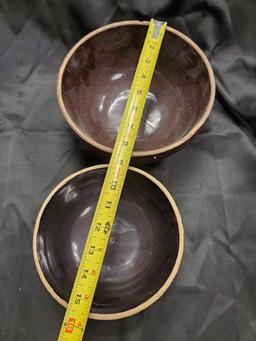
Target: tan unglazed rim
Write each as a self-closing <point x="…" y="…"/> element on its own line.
<point x="153" y="298"/>
<point x="153" y="152"/>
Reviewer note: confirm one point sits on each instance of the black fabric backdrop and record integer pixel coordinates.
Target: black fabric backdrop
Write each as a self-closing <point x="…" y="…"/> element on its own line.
<point x="212" y="179"/>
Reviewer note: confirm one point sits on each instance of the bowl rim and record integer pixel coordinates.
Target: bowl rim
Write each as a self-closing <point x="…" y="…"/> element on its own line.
<point x="153" y="152"/>
<point x="153" y="298"/>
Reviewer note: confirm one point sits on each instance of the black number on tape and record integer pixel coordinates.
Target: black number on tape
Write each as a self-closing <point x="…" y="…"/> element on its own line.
<point x="85" y="272"/>
<point x="107" y="227"/>
<point x="113" y="185"/>
<point x="91" y="251"/>
<point x="98" y="226"/>
<point x="108" y="204"/>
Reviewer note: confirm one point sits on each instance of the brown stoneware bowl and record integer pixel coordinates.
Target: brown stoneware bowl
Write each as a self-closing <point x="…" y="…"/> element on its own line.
<point x="144" y="251"/>
<point x="96" y="75"/>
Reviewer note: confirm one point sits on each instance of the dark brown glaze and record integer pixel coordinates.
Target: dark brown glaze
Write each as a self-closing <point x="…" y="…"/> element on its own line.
<point x="97" y="78"/>
<point x="143" y="245"/>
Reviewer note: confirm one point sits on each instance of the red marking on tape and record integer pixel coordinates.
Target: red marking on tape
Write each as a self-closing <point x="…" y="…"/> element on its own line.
<point x="70" y="325"/>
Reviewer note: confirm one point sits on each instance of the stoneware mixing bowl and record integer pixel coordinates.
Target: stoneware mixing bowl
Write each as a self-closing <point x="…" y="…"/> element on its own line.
<point x="144" y="251"/>
<point x="96" y="75"/>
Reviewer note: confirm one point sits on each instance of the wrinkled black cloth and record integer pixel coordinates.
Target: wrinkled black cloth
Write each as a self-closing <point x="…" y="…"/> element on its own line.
<point x="212" y="179"/>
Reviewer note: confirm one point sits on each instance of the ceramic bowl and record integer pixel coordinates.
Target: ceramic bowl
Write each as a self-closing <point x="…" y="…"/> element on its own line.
<point x="96" y="75"/>
<point x="144" y="250"/>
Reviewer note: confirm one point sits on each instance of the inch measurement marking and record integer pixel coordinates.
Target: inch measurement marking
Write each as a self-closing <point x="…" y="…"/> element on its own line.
<point x="81" y="298"/>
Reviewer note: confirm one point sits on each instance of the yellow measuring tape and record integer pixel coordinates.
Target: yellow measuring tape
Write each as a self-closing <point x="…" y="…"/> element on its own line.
<point x="81" y="298"/>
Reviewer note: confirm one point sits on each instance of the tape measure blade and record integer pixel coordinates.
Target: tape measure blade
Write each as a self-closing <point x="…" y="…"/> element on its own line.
<point x="81" y="297"/>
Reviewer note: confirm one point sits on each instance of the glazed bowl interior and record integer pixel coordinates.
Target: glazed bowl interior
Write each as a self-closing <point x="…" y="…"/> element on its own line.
<point x="95" y="79"/>
<point x="144" y="250"/>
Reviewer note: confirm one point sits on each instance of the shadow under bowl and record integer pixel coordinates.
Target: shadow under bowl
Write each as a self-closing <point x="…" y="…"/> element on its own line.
<point x="144" y="250"/>
<point x="94" y="83"/>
